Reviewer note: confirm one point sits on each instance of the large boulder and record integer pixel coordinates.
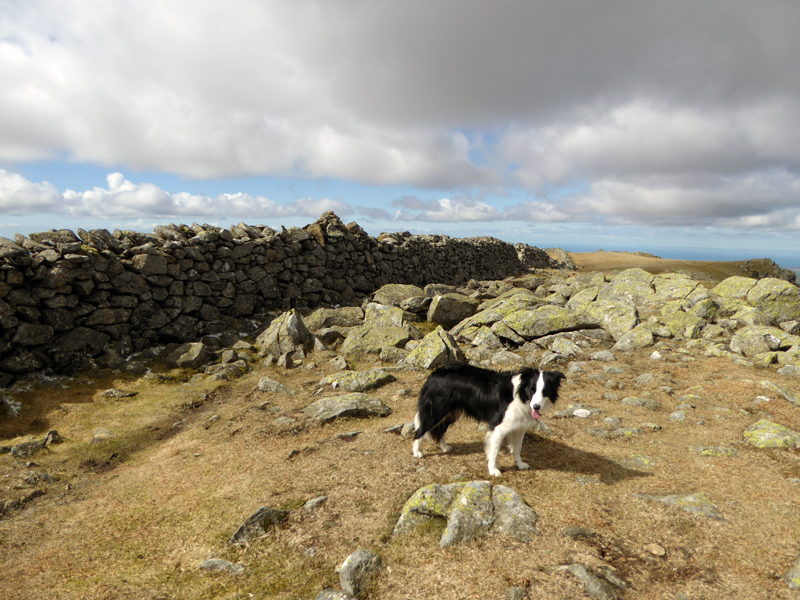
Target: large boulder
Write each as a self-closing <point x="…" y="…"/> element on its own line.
<point x="682" y="324"/>
<point x="639" y="337"/>
<point x="372" y="340"/>
<point x="451" y="309"/>
<point x="757" y="339"/>
<point x="615" y="317"/>
<point x="632" y="285"/>
<point x="674" y="286"/>
<point x="731" y="293"/>
<point x="472" y="509"/>
<point x="436" y="349"/>
<point x="545" y="320"/>
<point x="394" y="294"/>
<point x="494" y="310"/>
<point x="189" y="356"/>
<point x="384" y="315"/>
<point x="777" y="298"/>
<point x="285" y="335"/>
<point x="323" y="318"/>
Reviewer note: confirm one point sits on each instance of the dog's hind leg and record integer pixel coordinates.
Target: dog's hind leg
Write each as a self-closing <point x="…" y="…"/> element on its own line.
<point x="445" y="448"/>
<point x="415" y="450"/>
<point x="515" y="442"/>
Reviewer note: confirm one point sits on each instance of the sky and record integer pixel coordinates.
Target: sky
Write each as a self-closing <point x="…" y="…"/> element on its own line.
<point x="666" y="127"/>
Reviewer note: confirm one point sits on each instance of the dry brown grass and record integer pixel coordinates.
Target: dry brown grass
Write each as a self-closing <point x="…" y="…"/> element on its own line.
<point x="133" y="517"/>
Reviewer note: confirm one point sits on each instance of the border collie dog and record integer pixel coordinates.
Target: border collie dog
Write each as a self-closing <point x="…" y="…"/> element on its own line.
<point x="510" y="402"/>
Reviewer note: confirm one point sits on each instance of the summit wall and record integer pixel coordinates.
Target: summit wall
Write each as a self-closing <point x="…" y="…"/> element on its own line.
<point x="65" y="297"/>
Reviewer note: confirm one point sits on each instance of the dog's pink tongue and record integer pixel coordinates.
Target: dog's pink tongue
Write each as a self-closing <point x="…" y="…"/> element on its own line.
<point x="534" y="413"/>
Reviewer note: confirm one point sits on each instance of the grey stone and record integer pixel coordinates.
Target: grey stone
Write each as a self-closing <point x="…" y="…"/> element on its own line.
<point x="472" y="509"/>
<point x="767" y="434"/>
<point x="355" y="405"/>
<point x="285" y="334"/>
<point x="471" y="514"/>
<point x="436" y="349"/>
<point x="513" y="517"/>
<point x="258" y="524"/>
<point x="594" y="586"/>
<point x="372" y="340"/>
<point x="189" y="356"/>
<point x="100" y="435"/>
<point x="451" y="309"/>
<point x="603" y="356"/>
<point x="698" y="503"/>
<point x="648" y="403"/>
<point x="314" y="503"/>
<point x="789" y="396"/>
<point x="394" y="293"/>
<point x="265" y="384"/>
<point x="32" y="334"/>
<point x="381" y="315"/>
<point x="358" y="572"/>
<point x="358" y="381"/>
<point x="639" y="337"/>
<point x="792" y="577"/>
<point x="221" y="565"/>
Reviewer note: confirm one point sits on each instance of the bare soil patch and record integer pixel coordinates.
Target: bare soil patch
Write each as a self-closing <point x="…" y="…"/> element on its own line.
<point x="132" y="517"/>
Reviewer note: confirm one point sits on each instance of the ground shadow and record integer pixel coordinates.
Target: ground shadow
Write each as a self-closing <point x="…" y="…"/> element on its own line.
<point x="544" y="454"/>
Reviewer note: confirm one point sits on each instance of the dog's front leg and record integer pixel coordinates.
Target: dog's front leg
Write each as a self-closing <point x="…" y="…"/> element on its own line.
<point x="493" y="441"/>
<point x="515" y="441"/>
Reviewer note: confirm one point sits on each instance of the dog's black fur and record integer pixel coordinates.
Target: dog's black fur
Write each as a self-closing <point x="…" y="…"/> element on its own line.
<point x="486" y="396"/>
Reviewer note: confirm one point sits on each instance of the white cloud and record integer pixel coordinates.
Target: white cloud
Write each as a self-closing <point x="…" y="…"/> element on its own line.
<point x="19" y="196"/>
<point x="125" y="199"/>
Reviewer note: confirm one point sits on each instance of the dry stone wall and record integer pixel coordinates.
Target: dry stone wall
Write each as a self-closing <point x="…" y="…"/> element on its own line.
<point x="66" y="297"/>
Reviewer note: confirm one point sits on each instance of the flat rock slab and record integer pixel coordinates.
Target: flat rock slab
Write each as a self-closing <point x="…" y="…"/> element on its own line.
<point x="221" y="565"/>
<point x="356" y="405"/>
<point x="265" y="384"/>
<point x="647" y="403"/>
<point x="595" y="587"/>
<point x="472" y="510"/>
<point x="783" y="392"/>
<point x="698" y="503"/>
<point x="358" y="381"/>
<point x="766" y="434"/>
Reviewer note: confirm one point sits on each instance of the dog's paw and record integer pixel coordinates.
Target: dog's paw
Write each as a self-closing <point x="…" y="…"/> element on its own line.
<point x="445" y="448"/>
<point x="495" y="472"/>
<point x="416" y="454"/>
<point x="523" y="466"/>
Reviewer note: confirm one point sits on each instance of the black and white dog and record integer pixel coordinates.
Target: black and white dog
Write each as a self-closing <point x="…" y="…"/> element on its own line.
<point x="509" y="402"/>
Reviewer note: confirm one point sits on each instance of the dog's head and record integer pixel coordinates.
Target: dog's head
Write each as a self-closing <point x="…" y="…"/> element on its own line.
<point x="538" y="389"/>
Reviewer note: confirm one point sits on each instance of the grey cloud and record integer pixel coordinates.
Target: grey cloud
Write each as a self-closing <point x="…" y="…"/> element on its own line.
<point x="666" y="112"/>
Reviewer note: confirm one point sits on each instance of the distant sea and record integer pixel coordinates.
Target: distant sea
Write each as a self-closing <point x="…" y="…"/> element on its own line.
<point x="785" y="260"/>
